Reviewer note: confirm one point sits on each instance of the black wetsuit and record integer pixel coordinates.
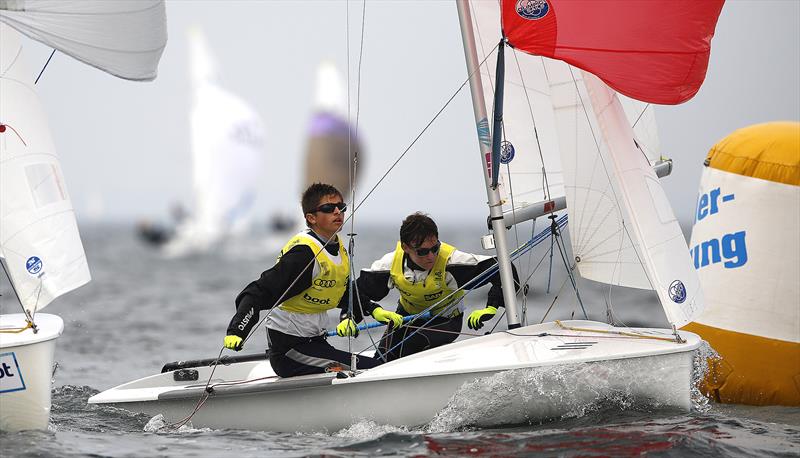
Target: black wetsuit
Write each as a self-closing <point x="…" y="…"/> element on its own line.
<point x="292" y="355"/>
<point x="373" y="285"/>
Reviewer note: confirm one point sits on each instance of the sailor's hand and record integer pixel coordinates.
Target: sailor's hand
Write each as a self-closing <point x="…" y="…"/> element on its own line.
<point x="347" y="328"/>
<point x="390" y="318"/>
<point x="233" y="343"/>
<point x="476" y="318"/>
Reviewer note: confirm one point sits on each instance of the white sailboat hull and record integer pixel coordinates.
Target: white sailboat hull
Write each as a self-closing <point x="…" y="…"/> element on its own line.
<point x="557" y="369"/>
<point x="26" y="362"/>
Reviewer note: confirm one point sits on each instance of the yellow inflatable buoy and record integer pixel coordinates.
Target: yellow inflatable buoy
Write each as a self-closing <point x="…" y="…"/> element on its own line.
<point x="746" y="248"/>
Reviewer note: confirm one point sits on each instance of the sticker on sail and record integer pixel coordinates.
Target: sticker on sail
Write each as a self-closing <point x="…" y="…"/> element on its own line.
<point x="677" y="292"/>
<point x="10" y="376"/>
<point x="533" y="9"/>
<point x="506" y="152"/>
<point x="33" y="265"/>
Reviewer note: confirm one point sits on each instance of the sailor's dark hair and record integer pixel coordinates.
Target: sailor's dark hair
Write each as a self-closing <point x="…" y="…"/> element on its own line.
<point x="416" y="228"/>
<point x="314" y="194"/>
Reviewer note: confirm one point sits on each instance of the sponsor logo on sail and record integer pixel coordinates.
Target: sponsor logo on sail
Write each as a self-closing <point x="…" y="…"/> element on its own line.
<point x="506" y="152"/>
<point x="10" y="375"/>
<point x="33" y="265"/>
<point x="677" y="292"/>
<point x="532" y="9"/>
<point x="325" y="283"/>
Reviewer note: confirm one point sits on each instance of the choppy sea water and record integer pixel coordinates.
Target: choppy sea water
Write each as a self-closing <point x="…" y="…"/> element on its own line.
<point x="142" y="310"/>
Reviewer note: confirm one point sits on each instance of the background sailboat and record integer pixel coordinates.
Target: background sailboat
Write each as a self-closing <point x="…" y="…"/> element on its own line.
<point x="40" y="246"/>
<point x="331" y="143"/>
<point x="227" y="140"/>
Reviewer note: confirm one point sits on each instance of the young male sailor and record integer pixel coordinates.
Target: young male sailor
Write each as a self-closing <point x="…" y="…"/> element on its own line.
<point x="309" y="278"/>
<point x="425" y="271"/>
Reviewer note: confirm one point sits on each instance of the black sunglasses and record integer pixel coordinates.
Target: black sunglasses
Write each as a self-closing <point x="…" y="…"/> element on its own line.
<point x="330" y="207"/>
<point x="424" y="251"/>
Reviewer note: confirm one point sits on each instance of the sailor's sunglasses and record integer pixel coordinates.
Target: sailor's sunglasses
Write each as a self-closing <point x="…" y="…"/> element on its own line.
<point x="424" y="251"/>
<point x="330" y="207"/>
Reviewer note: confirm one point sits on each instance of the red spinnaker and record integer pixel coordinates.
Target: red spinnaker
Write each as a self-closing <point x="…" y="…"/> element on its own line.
<point x="651" y="50"/>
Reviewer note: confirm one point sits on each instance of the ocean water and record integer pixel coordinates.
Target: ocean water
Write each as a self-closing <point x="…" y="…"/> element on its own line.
<point x="142" y="310"/>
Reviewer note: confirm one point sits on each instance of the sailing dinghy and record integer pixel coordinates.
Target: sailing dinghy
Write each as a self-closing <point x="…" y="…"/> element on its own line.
<point x="40" y="247"/>
<point x="227" y="160"/>
<point x="641" y="247"/>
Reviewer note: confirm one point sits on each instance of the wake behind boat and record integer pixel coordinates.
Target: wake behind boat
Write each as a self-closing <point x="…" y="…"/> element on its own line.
<point x="646" y="365"/>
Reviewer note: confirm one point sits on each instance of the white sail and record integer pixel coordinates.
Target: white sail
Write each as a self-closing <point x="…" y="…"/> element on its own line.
<point x="227" y="139"/>
<point x="122" y="37"/>
<point x="528" y="120"/>
<point x="602" y="249"/>
<point x="642" y="118"/>
<point x="647" y="213"/>
<point x="39" y="237"/>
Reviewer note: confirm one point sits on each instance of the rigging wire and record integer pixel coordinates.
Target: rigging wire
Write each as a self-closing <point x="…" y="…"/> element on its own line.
<point x="45" y="66"/>
<point x="422" y="132"/>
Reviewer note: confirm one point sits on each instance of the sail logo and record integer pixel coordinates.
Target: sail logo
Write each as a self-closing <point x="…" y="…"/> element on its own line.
<point x="325" y="283"/>
<point x="677" y="292"/>
<point x="33" y="265"/>
<point x="10" y="375"/>
<point x="532" y="9"/>
<point x="506" y="152"/>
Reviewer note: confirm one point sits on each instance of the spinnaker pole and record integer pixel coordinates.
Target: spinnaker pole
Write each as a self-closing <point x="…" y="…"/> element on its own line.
<point x="485" y="145"/>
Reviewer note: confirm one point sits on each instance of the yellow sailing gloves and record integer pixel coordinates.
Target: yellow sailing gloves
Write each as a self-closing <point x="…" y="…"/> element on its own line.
<point x="392" y="319"/>
<point x="476" y="318"/>
<point x="347" y="328"/>
<point x="233" y="343"/>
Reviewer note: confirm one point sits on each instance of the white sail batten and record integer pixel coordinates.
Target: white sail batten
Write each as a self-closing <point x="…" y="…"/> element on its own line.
<point x="39" y="237"/>
<point x="648" y="215"/>
<point x="122" y="37"/>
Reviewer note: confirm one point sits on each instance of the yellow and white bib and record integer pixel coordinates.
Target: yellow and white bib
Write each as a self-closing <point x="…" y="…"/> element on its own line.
<point x="418" y="296"/>
<point x="328" y="285"/>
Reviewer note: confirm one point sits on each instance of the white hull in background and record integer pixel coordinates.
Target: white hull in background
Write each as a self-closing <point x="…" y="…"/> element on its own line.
<point x="26" y="362"/>
<point x="411" y="391"/>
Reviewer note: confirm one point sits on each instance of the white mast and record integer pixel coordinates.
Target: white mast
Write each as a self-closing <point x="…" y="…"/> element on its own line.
<point x="485" y="144"/>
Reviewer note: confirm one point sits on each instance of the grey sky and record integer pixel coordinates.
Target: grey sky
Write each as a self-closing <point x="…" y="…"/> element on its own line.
<point x="124" y="146"/>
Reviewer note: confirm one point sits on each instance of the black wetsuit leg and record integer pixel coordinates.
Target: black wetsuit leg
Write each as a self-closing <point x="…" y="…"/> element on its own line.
<point x="292" y="355"/>
<point x="397" y="344"/>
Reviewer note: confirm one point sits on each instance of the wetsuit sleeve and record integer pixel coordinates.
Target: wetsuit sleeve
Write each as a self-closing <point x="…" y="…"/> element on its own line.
<point x="344" y="306"/>
<point x="372" y="287"/>
<point x="464" y="273"/>
<point x="265" y="292"/>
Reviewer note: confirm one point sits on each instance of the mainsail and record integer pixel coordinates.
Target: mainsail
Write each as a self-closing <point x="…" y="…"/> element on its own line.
<point x="122" y="37"/>
<point x="39" y="237"/>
